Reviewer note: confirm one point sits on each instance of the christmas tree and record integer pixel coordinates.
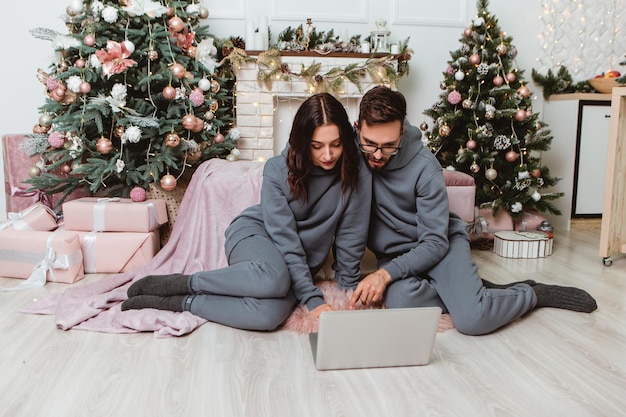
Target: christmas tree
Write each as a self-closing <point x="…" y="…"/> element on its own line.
<point x="484" y="124"/>
<point x="135" y="97"/>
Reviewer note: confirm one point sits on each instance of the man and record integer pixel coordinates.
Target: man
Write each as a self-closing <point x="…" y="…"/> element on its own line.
<point x="423" y="251"/>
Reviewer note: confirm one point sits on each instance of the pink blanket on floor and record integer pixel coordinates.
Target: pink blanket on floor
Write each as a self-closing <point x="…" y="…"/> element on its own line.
<point x="218" y="191"/>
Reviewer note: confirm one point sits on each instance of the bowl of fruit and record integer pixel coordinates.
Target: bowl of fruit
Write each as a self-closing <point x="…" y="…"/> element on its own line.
<point x="605" y="82"/>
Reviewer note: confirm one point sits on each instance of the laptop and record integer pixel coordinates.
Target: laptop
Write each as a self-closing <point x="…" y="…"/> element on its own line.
<point x="375" y="338"/>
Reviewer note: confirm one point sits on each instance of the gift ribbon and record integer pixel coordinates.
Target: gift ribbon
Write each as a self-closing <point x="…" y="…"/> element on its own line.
<point x="480" y="226"/>
<point x="99" y="209"/>
<point x="89" y="252"/>
<point x="43" y="267"/>
<point x="15" y="219"/>
<point x="41" y="197"/>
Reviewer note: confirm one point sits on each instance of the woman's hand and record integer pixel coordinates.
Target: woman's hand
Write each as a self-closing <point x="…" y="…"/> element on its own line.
<point x="320" y="309"/>
<point x="371" y="288"/>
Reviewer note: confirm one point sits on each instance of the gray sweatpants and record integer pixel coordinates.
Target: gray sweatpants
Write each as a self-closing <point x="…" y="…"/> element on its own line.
<point x="252" y="293"/>
<point x="455" y="286"/>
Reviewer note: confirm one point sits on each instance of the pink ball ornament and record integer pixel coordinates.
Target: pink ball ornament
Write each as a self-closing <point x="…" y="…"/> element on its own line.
<point x="169" y="93"/>
<point x="219" y="138"/>
<point x="176" y="24"/>
<point x="474" y="59"/>
<point x="520" y="115"/>
<point x="510" y="77"/>
<point x="511" y="156"/>
<point x="471" y="144"/>
<point x="168" y="182"/>
<point x="138" y="194"/>
<point x="84" y="87"/>
<point x="523" y="91"/>
<point x="80" y="63"/>
<point x="178" y="70"/>
<point x="498" y="81"/>
<point x="467" y="32"/>
<point x="56" y="140"/>
<point x="454" y="97"/>
<point x="89" y="40"/>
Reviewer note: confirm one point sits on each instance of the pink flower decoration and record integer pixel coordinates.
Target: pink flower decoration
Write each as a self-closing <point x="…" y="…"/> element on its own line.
<point x="138" y="194"/>
<point x="56" y="140"/>
<point x="197" y="97"/>
<point x="454" y="97"/>
<point x="450" y="70"/>
<point x="115" y="59"/>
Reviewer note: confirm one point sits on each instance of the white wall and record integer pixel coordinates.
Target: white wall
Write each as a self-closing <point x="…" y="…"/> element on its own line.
<point x="23" y="54"/>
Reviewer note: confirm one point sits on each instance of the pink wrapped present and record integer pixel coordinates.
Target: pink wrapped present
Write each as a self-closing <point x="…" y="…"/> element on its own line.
<point x="114" y="215"/>
<point x="113" y="252"/>
<point x="41" y="256"/>
<point x="36" y="217"/>
<point x="486" y="224"/>
<point x="16" y="166"/>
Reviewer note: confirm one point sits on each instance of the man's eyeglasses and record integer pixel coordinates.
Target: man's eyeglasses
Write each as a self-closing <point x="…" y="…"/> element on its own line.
<point x="386" y="150"/>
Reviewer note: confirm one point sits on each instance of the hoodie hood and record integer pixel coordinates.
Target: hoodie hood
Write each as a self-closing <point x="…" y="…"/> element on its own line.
<point x="410" y="145"/>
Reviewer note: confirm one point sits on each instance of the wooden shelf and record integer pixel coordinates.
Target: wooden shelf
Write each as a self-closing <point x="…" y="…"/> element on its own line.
<point x="613" y="231"/>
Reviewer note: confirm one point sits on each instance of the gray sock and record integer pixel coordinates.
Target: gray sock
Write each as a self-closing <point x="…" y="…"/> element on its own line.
<point x="568" y="298"/>
<point x="489" y="284"/>
<point x="172" y="303"/>
<point x="161" y="285"/>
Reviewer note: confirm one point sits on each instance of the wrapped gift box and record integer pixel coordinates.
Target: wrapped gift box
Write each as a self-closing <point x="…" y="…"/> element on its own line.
<point x="509" y="244"/>
<point x="36" y="217"/>
<point x="486" y="224"/>
<point x="113" y="252"/>
<point x="56" y="255"/>
<point x="16" y="166"/>
<point x="89" y="214"/>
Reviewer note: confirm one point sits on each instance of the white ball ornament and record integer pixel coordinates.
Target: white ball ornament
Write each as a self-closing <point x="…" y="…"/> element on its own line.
<point x="459" y="75"/>
<point x="130" y="47"/>
<point x="491" y="174"/>
<point x="76" y="6"/>
<point x="204" y="84"/>
<point x="536" y="196"/>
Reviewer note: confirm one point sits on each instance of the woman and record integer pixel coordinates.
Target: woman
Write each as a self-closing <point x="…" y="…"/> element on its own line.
<point x="315" y="197"/>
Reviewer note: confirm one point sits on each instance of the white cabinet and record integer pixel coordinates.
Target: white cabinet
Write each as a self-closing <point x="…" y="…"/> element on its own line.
<point x="578" y="153"/>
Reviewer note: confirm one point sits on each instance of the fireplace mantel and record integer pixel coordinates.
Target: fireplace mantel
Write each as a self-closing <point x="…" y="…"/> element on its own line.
<point x="256" y="105"/>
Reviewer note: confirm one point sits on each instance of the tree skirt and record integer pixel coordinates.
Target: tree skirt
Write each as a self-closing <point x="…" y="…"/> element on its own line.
<point x="302" y="322"/>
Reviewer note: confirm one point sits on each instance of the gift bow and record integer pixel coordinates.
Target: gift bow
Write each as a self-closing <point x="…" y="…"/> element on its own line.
<point x="48" y="264"/>
<point x="41" y="197"/>
<point x="15" y="219"/>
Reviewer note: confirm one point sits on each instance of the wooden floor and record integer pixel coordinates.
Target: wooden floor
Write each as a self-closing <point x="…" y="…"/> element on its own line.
<point x="549" y="363"/>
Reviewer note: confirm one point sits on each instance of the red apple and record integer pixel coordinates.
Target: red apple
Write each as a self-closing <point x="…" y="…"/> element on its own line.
<point x="612" y="74"/>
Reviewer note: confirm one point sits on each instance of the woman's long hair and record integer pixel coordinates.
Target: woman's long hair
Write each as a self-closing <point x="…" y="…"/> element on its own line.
<point x="320" y="110"/>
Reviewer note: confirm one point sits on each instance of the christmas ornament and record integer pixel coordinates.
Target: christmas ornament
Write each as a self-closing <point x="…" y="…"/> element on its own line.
<point x="34" y="171"/>
<point x="474" y="59"/>
<point x="169" y="93"/>
<point x="194" y="156"/>
<point x="85" y="87"/>
<point x="191" y="52"/>
<point x="520" y="115"/>
<point x="444" y="131"/>
<point x="176" y="24"/>
<point x="153" y="55"/>
<point x="459" y="75"/>
<point x="454" y="97"/>
<point x="467" y="32"/>
<point x="219" y="138"/>
<point x="423" y="126"/>
<point x="203" y="13"/>
<point x="172" y="140"/>
<point x="214" y="106"/>
<point x="471" y="144"/>
<point x="168" y="182"/>
<point x="79" y="63"/>
<point x="490" y="114"/>
<point x="498" y="81"/>
<point x="204" y="84"/>
<point x="104" y="145"/>
<point x="215" y="87"/>
<point x="130" y="47"/>
<point x="510" y="77"/>
<point x="501" y="142"/>
<point x="482" y="69"/>
<point x="39" y="129"/>
<point x="189" y="121"/>
<point x="118" y="131"/>
<point x="45" y="120"/>
<point x="178" y="70"/>
<point x="491" y="174"/>
<point x="536" y="173"/>
<point x="56" y="140"/>
<point x="511" y="156"/>
<point x="501" y="49"/>
<point x="467" y="104"/>
<point x="76" y="6"/>
<point x="443" y="85"/>
<point x="536" y="196"/>
<point x="63" y="66"/>
<point x="198" y="126"/>
<point x="138" y="194"/>
<point x="209" y="115"/>
<point x="523" y="91"/>
<point x="89" y="40"/>
<point x="474" y="168"/>
<point x="66" y="168"/>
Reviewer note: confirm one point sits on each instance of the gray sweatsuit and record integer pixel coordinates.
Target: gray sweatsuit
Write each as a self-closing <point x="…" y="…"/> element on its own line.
<point x="426" y="249"/>
<point x="276" y="247"/>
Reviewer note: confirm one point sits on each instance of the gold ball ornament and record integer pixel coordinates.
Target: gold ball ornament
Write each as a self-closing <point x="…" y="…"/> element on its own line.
<point x="172" y="140"/>
<point x="474" y="168"/>
<point x="203" y="13"/>
<point x="194" y="156"/>
<point x="45" y="120"/>
<point x="39" y="129"/>
<point x="214" y="106"/>
<point x="34" y="171"/>
<point x="215" y="86"/>
<point x="176" y="24"/>
<point x="467" y="104"/>
<point x="444" y="131"/>
<point x="118" y="131"/>
<point x="423" y="126"/>
<point x="169" y="93"/>
<point x="191" y="51"/>
<point x="491" y="174"/>
<point x="209" y="115"/>
<point x="153" y="55"/>
<point x="104" y="145"/>
<point x="501" y="49"/>
<point x="168" y="182"/>
<point x="178" y="70"/>
<point x="189" y="121"/>
<point x="199" y="126"/>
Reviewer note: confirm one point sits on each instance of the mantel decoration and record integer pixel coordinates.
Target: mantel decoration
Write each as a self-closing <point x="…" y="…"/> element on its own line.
<point x="562" y="82"/>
